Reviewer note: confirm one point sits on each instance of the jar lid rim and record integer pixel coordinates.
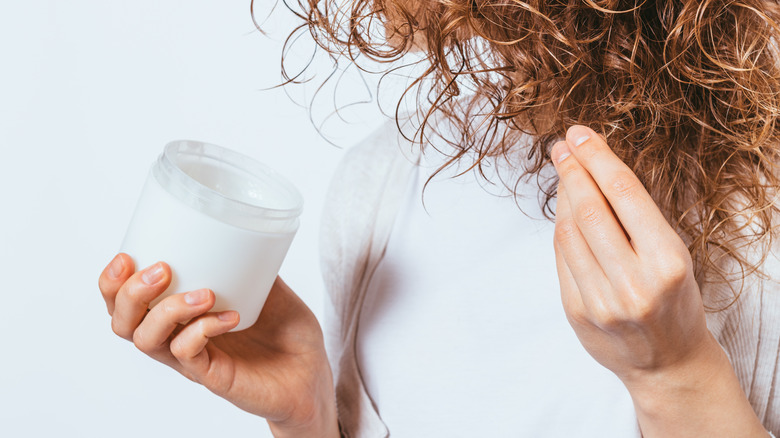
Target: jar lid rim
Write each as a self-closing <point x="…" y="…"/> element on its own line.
<point x="168" y="165"/>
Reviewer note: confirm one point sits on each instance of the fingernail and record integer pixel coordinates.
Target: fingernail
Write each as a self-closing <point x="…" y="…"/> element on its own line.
<point x="227" y="316"/>
<point x="563" y="151"/>
<point x="116" y="266"/>
<point x="153" y="274"/>
<point x="577" y="135"/>
<point x="196" y="297"/>
<point x="581" y="140"/>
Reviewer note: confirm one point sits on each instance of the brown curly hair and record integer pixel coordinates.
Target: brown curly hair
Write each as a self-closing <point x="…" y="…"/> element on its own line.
<point x="686" y="92"/>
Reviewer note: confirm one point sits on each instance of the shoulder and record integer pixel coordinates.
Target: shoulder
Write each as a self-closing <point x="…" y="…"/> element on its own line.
<point x="365" y="169"/>
<point x="373" y="154"/>
<point x="370" y="176"/>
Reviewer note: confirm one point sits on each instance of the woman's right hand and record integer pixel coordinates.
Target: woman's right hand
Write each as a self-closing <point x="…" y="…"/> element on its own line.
<point x="276" y="369"/>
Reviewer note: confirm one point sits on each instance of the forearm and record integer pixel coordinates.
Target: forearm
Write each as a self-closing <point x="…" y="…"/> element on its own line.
<point x="701" y="398"/>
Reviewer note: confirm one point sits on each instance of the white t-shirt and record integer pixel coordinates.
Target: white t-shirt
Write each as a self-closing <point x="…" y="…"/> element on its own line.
<point x="463" y="334"/>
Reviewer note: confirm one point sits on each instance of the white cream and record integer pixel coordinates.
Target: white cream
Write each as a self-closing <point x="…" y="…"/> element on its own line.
<point x="221" y="221"/>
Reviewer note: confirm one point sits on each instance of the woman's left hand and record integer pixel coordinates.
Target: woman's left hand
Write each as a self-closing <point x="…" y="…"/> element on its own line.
<point x="626" y="277"/>
<point x="629" y="292"/>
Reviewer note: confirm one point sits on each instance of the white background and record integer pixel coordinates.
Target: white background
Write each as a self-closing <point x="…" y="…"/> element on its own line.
<point x="90" y="91"/>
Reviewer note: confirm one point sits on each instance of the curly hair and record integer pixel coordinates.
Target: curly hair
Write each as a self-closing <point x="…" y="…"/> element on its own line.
<point x="686" y="92"/>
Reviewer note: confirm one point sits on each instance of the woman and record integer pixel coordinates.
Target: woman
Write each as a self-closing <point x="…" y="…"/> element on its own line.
<point x="655" y="125"/>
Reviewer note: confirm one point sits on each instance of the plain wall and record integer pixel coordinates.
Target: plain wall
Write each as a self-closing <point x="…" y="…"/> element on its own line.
<point x="90" y="92"/>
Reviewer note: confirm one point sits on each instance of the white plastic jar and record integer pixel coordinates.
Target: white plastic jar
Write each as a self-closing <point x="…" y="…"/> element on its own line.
<point x="221" y="221"/>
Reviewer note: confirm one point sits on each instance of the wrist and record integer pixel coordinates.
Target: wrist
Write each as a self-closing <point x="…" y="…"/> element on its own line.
<point x="322" y="423"/>
<point x="699" y="397"/>
<point x="703" y="368"/>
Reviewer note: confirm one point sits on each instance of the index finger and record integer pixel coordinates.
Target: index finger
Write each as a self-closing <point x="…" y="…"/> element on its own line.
<point x="634" y="207"/>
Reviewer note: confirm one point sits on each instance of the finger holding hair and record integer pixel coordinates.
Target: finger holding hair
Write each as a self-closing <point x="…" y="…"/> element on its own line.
<point x="590" y="278"/>
<point x="570" y="293"/>
<point x="593" y="216"/>
<point x="635" y="209"/>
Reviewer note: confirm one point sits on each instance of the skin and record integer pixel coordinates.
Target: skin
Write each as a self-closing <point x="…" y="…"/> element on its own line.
<point x="626" y="283"/>
<point x="629" y="292"/>
<point x="276" y="369"/>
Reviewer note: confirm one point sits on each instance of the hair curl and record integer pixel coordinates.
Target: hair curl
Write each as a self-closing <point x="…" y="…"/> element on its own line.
<point x="686" y="92"/>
